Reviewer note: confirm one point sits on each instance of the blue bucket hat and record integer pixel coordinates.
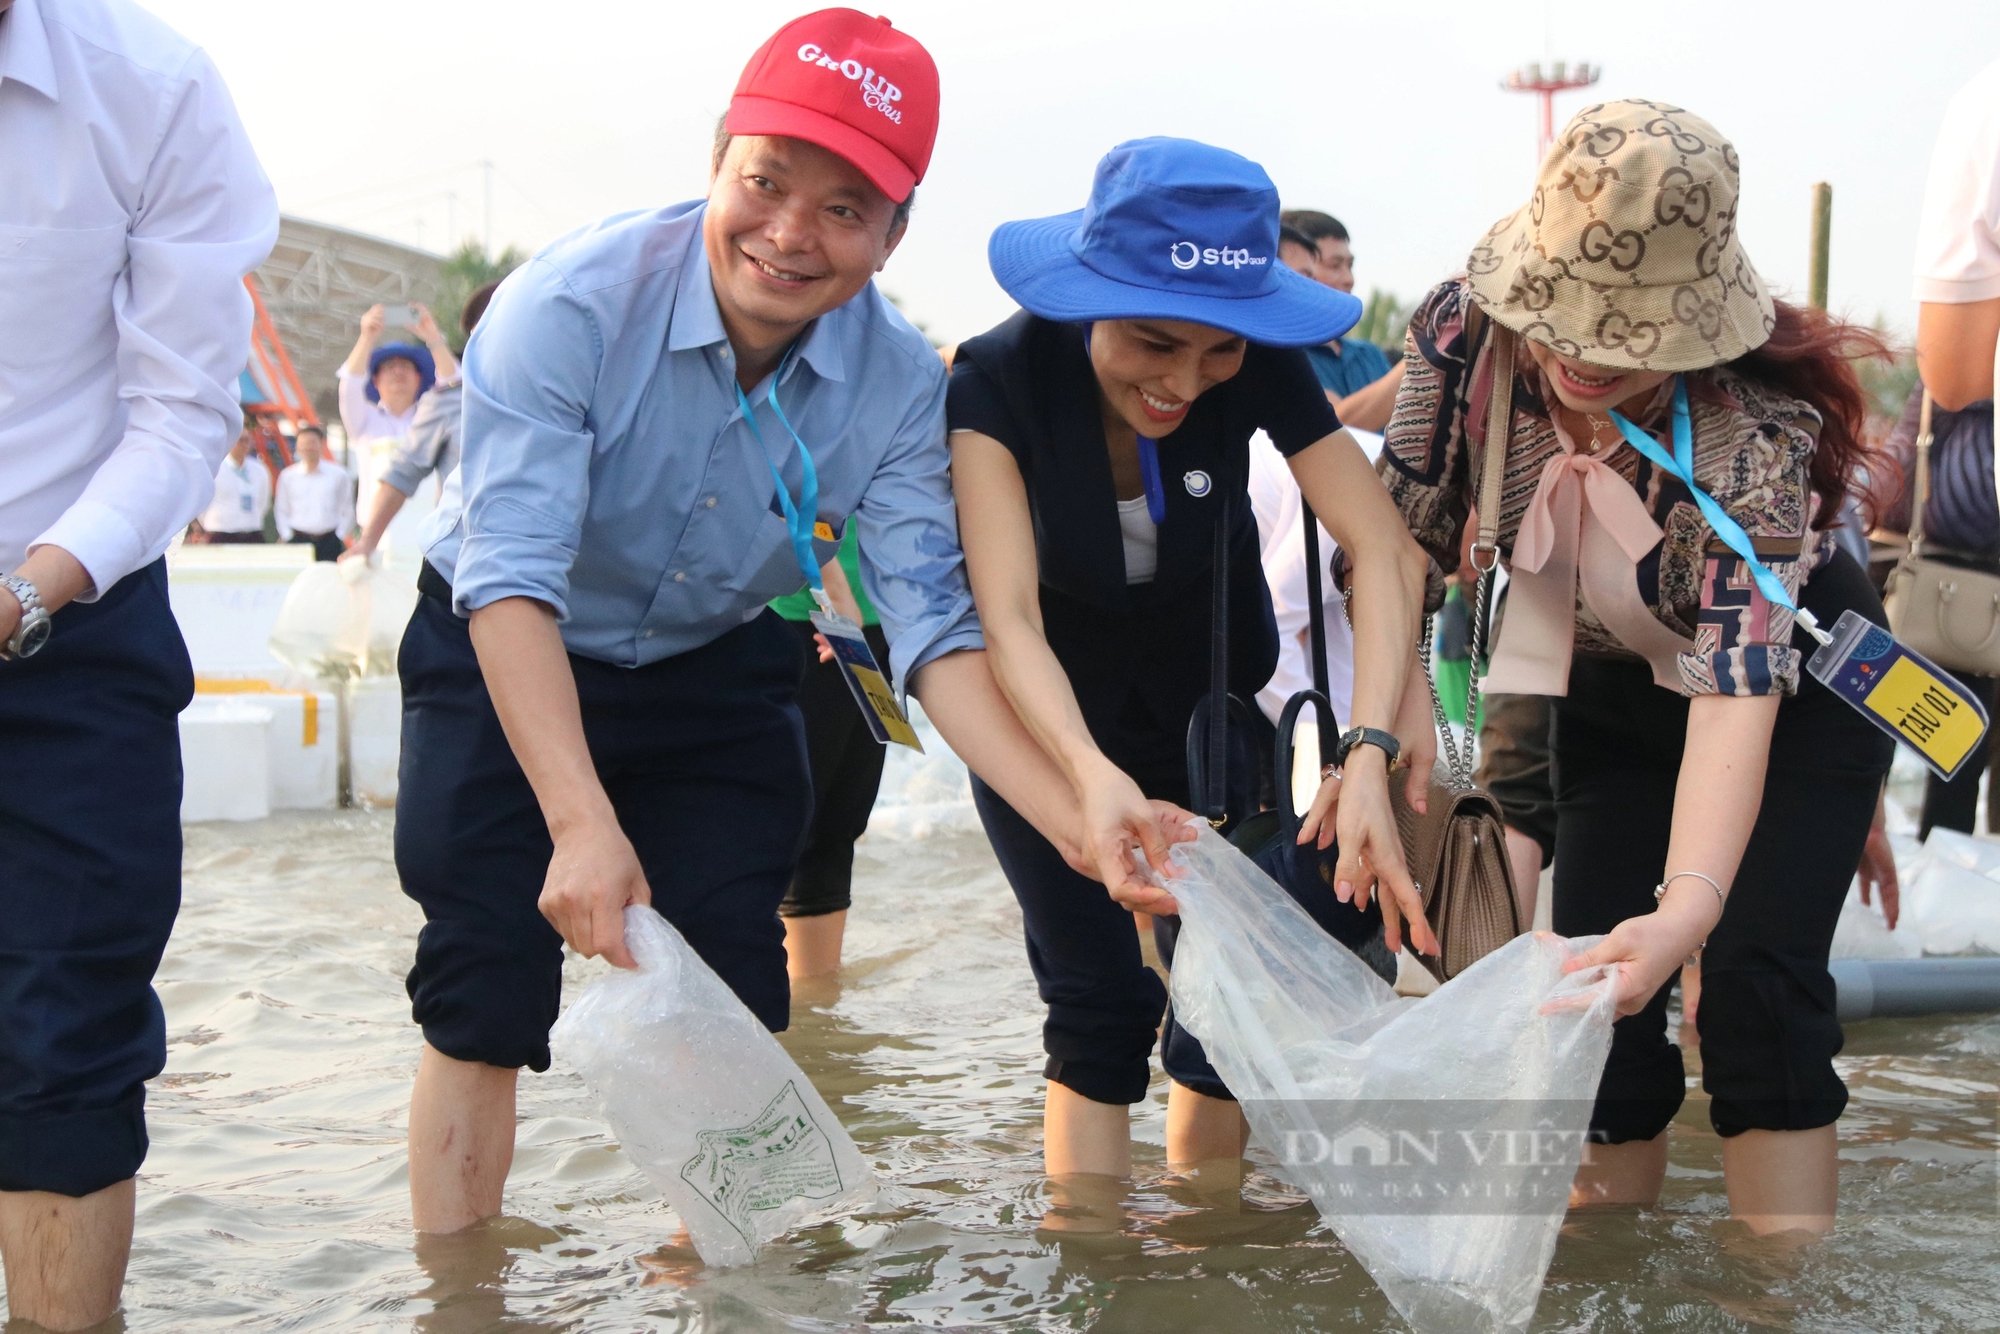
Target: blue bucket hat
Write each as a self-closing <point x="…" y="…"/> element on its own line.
<point x="1174" y="230"/>
<point x="420" y="357"/>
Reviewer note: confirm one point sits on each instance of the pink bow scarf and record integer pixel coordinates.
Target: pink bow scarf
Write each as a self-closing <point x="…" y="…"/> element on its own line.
<point x="1585" y="529"/>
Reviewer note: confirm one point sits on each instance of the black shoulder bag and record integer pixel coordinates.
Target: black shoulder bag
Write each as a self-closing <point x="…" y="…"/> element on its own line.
<point x="1270" y="837"/>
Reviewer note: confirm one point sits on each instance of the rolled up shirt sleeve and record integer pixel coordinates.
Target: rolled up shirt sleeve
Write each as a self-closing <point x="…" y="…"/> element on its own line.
<point x="529" y="375"/>
<point x="205" y="218"/>
<point x="911" y="563"/>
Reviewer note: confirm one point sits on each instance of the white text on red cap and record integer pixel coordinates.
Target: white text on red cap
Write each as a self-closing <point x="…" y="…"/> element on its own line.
<point x="877" y="93"/>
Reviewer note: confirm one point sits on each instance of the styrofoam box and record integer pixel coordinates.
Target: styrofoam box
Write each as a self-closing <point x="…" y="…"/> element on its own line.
<point x="374" y="739"/>
<point x="303" y="741"/>
<point x="225" y="760"/>
<point x="227" y="598"/>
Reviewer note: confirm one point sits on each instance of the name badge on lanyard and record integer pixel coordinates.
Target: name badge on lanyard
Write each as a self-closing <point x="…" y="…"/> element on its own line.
<point x="1890" y="684"/>
<point x="864" y="676"/>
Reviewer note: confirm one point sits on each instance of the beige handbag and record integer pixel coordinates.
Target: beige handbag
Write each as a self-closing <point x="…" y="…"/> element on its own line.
<point x="1949" y="614"/>
<point x="1457" y="850"/>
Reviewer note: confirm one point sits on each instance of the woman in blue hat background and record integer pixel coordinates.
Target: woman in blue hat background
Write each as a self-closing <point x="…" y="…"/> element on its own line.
<point x="380" y="388"/>
<point x="1097" y="438"/>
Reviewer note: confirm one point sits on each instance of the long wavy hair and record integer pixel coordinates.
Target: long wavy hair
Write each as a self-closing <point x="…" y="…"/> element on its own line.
<point x="1810" y="355"/>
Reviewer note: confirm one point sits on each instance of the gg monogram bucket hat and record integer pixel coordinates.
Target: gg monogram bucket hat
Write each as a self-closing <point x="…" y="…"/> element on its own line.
<point x="1627" y="255"/>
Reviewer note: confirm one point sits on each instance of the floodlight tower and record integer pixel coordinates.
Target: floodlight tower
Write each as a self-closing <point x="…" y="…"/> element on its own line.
<point x="1560" y="77"/>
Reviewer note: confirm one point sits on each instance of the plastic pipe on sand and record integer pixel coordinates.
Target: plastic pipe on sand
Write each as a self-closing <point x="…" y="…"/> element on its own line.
<point x="1887" y="988"/>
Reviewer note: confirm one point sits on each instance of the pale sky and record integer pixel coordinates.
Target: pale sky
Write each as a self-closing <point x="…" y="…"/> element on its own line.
<point x="372" y="114"/>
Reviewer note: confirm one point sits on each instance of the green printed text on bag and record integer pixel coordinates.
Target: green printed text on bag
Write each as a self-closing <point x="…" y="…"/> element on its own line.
<point x="1902" y="692"/>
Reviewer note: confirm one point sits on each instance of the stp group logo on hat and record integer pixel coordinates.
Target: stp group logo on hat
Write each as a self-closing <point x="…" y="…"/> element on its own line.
<point x="852" y="84"/>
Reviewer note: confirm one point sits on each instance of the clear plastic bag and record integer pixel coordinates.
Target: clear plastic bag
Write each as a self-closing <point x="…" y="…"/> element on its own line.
<point x="705" y="1100"/>
<point x="343" y="619"/>
<point x="1438" y="1137"/>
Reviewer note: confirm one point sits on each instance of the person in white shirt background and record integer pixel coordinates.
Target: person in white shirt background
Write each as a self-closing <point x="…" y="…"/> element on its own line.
<point x="131" y="207"/>
<point x="1274" y="497"/>
<point x="1958" y="250"/>
<point x="315" y="499"/>
<point x="242" y="497"/>
<point x="381" y="392"/>
<point x="432" y="446"/>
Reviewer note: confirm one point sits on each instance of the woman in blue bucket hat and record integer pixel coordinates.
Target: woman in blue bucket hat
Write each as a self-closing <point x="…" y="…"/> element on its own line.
<point x="1099" y="436"/>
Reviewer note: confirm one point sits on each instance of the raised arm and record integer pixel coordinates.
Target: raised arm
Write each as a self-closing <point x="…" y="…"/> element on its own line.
<point x="998" y="534"/>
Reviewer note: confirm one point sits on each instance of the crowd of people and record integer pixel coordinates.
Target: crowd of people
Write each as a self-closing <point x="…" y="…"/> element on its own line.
<point x="1061" y="537"/>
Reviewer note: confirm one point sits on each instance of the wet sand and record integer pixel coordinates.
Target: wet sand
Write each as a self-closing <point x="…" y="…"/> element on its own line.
<point x="276" y="1194"/>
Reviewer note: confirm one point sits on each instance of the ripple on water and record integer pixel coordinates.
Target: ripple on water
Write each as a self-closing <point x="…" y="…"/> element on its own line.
<point x="275" y="1197"/>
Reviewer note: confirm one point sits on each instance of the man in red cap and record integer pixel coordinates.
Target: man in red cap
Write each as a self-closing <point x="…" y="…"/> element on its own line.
<point x="670" y="419"/>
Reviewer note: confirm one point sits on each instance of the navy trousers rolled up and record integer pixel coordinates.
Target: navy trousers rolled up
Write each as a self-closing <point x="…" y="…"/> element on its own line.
<point x="703" y="757"/>
<point x="90" y="883"/>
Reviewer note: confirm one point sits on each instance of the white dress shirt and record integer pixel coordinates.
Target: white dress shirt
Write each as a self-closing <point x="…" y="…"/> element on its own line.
<point x="242" y="495"/>
<point x="321" y="501"/>
<point x="1274" y="497"/>
<point x="131" y="206"/>
<point x="364" y="420"/>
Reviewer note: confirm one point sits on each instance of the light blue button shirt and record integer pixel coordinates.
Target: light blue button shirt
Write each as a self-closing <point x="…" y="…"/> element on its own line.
<point x="608" y="470"/>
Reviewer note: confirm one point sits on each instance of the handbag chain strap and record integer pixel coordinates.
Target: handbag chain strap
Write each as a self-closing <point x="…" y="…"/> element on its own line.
<point x="1921" y="501"/>
<point x="1460" y="761"/>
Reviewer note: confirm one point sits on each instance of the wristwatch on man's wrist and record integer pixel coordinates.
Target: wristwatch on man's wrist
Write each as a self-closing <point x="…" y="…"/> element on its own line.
<point x="1371" y="736"/>
<point x="33" y="630"/>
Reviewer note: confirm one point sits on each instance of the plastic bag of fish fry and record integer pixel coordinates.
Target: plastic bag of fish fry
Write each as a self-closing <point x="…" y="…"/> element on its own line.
<point x="705" y="1100"/>
<point x="1438" y="1137"/>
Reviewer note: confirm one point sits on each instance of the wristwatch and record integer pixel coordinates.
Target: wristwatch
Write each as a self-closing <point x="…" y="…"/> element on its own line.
<point x="1368" y="736"/>
<point x="33" y="631"/>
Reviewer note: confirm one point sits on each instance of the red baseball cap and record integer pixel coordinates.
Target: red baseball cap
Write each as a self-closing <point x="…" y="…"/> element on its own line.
<point x="851" y="84"/>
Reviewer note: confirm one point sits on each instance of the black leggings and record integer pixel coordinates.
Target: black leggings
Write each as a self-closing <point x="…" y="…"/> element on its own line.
<point x="1766" y="1020"/>
<point x="846" y="771"/>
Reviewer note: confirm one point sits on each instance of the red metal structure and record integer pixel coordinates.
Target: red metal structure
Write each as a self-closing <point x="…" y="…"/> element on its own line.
<point x="279" y="405"/>
<point x="1560" y="77"/>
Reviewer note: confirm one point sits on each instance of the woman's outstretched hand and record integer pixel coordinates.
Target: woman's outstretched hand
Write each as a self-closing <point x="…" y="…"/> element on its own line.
<point x="1648" y="950"/>
<point x="1116" y="816"/>
<point x="1382" y="844"/>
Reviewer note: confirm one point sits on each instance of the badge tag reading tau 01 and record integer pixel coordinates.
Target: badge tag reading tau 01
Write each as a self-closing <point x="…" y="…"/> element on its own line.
<point x="864" y="677"/>
<point x="1902" y="692"/>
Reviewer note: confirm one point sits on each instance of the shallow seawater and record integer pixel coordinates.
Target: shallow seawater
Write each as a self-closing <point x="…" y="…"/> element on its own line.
<point x="275" y="1197"/>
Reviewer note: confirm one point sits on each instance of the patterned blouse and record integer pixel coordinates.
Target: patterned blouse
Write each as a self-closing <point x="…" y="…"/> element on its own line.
<point x="1752" y="448"/>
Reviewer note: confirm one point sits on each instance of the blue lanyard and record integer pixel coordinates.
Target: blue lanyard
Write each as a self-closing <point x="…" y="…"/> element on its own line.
<point x="799" y="518"/>
<point x="1681" y="465"/>
<point x="1149" y="473"/>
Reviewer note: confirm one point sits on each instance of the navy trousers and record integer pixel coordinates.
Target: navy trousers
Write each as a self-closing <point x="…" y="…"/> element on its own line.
<point x="90" y="883"/>
<point x="704" y="759"/>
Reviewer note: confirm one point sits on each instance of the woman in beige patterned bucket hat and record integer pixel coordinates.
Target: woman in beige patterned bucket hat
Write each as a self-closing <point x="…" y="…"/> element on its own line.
<point x="1620" y="296"/>
<point x="1627" y="255"/>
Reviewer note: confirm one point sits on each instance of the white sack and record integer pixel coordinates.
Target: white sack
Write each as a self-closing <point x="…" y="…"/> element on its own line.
<point x="343" y="619"/>
<point x="1437" y="1136"/>
<point x="706" y="1101"/>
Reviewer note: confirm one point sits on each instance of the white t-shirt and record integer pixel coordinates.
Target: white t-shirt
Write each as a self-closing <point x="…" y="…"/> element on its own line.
<point x="1142" y="541"/>
<point x="1958" y="239"/>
